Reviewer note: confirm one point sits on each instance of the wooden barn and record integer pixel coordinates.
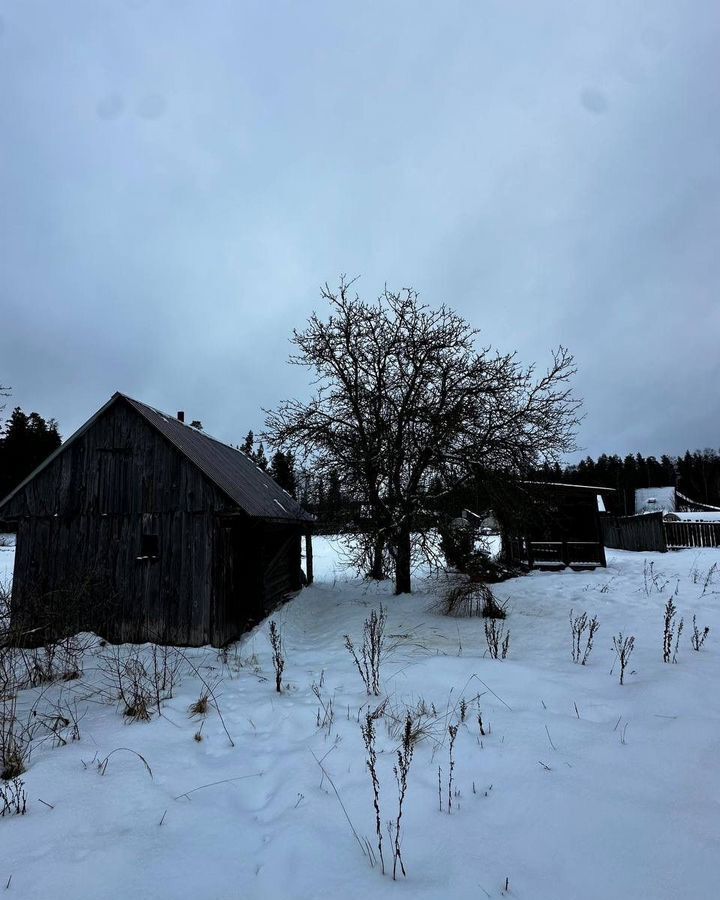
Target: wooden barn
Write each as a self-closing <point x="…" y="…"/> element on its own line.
<point x="141" y="528"/>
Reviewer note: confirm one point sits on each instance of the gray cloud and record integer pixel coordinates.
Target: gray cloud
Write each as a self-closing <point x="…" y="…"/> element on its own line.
<point x="178" y="178"/>
<point x="594" y="100"/>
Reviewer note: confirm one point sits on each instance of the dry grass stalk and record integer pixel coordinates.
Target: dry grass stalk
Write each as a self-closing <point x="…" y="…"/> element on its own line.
<point x="698" y="637"/>
<point x="368" y="733"/>
<point x="401" y="772"/>
<point x="578" y="626"/>
<point x="277" y="654"/>
<point x="498" y="639"/>
<point x="368" y="659"/>
<point x="623" y="647"/>
<point x="452" y="731"/>
<point x="670" y="650"/>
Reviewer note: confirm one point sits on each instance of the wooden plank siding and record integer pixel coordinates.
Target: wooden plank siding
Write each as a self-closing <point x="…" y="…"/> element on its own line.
<point x="650" y="531"/>
<point x="81" y="523"/>
<point x="644" y="532"/>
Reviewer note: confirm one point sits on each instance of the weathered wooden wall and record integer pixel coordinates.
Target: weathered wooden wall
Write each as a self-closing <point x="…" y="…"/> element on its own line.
<point x="80" y="525"/>
<point x="643" y="532"/>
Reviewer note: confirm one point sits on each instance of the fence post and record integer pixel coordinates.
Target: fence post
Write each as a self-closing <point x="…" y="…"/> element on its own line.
<point x="309" y="556"/>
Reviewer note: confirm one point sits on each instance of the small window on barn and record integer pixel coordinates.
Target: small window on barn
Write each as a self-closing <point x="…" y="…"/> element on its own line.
<point x="149" y="546"/>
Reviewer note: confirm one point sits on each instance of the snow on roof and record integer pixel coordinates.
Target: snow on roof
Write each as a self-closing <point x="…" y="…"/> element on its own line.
<point x="693" y="516"/>
<point x="579" y="487"/>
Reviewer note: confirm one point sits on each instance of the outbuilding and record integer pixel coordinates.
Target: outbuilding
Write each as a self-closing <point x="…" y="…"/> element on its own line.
<point x="561" y="527"/>
<point x="142" y="528"/>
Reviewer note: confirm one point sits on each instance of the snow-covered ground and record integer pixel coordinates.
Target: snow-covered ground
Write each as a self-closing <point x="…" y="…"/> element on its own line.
<point x="582" y="789"/>
<point x="7" y="557"/>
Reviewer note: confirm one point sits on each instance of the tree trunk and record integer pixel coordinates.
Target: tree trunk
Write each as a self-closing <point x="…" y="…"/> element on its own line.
<point x="402" y="561"/>
<point x="377" y="570"/>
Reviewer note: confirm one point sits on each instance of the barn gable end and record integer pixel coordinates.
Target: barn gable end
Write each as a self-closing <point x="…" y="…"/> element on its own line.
<point x="125" y="531"/>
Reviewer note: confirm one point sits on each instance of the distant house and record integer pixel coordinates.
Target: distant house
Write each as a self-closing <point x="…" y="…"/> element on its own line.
<point x="668" y="500"/>
<point x="142" y="528"/>
<point x="655" y="499"/>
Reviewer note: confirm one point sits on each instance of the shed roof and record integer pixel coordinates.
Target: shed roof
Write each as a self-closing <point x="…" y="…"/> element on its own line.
<point x="596" y="489"/>
<point x="229" y="469"/>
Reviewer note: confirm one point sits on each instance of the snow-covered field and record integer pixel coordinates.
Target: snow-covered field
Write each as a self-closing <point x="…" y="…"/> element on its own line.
<point x="7" y="557"/>
<point x="581" y="789"/>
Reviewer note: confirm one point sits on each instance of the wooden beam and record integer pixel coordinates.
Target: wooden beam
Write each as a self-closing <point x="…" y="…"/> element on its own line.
<point x="309" y="557"/>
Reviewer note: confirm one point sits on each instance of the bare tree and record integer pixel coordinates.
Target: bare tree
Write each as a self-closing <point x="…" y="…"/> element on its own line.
<point x="406" y="408"/>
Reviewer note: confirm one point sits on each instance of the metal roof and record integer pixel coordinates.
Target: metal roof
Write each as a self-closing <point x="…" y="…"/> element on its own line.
<point x="229" y="469"/>
<point x="597" y="489"/>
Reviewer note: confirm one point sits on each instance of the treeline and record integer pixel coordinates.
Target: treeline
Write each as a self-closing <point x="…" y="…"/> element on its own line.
<point x="25" y="441"/>
<point x="280" y="465"/>
<point x="696" y="474"/>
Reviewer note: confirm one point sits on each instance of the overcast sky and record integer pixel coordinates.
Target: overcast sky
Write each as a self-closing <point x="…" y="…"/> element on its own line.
<point x="177" y="178"/>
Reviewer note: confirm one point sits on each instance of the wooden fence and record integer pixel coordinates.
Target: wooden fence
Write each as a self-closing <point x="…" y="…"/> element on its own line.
<point x="644" y="532"/>
<point x="651" y="532"/>
<point x="692" y="534"/>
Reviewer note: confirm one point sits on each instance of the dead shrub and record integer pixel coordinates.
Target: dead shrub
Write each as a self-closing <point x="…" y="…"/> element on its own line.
<point x="471" y="599"/>
<point x="4" y="608"/>
<point x="141" y="678"/>
<point x="27" y="667"/>
<point x="47" y="720"/>
<point x="200" y="706"/>
<point x="55" y="721"/>
<point x="166" y="670"/>
<point x="425" y="721"/>
<point x="13" y="798"/>
<point x="138" y="709"/>
<point x="129" y="681"/>
<point x="14" y="741"/>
